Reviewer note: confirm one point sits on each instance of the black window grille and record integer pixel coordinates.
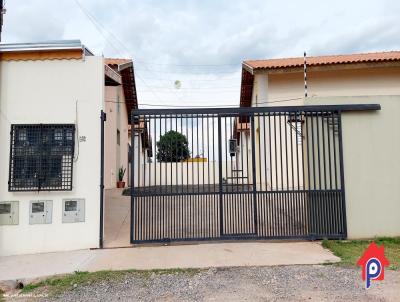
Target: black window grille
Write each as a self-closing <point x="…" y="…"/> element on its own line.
<point x="41" y="157"/>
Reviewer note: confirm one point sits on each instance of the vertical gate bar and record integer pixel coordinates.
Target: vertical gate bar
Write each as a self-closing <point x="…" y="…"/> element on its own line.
<point x="335" y="120"/>
<point x="154" y="153"/>
<point x="192" y="162"/>
<point x="208" y="152"/>
<point x="292" y="199"/>
<point x="276" y="158"/>
<point x="176" y="187"/>
<point x="282" y="201"/>
<point x="198" y="177"/>
<point x="289" y="195"/>
<point x="318" y="152"/>
<point x="253" y="161"/>
<point x="309" y="212"/>
<point x="221" y="231"/>
<point x="213" y="151"/>
<point x="332" y="153"/>
<point x="270" y="149"/>
<point x="248" y="186"/>
<point x="225" y="138"/>
<point x="324" y="196"/>
<point x="170" y="119"/>
<point x="146" y="199"/>
<point x="314" y="187"/>
<point x="200" y="200"/>
<point x="329" y="151"/>
<point x="161" y="171"/>
<point x="259" y="157"/>
<point x="233" y="212"/>
<point x="202" y="147"/>
<point x="181" y="183"/>
<point x="145" y="153"/>
<point x="208" y="174"/>
<point x="272" y="199"/>
<point x="302" y="119"/>
<point x="166" y="164"/>
<point x="320" y="220"/>
<point x="152" y="222"/>
<point x="164" y="199"/>
<point x="240" y="198"/>
<point x="197" y="151"/>
<point x="342" y="184"/>
<point x="323" y="148"/>
<point x="280" y="148"/>
<point x="297" y="200"/>
<point x="265" y="154"/>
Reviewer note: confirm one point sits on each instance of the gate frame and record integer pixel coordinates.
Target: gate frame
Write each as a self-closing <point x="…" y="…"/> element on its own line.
<point x="250" y="111"/>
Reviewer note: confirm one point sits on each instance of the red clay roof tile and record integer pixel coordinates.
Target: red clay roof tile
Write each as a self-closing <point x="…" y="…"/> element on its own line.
<point x="324" y="60"/>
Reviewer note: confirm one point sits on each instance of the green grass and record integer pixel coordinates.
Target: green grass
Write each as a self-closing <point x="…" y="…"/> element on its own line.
<point x="349" y="251"/>
<point x="57" y="285"/>
<point x="1" y="295"/>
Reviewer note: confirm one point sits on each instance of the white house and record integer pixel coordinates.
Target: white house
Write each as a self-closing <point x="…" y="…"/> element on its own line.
<point x="51" y="99"/>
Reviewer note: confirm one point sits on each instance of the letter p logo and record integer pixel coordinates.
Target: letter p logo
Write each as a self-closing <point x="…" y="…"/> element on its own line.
<point x="373" y="271"/>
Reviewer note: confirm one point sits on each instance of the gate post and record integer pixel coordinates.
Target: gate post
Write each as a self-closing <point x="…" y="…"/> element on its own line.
<point x="221" y="215"/>
<point x="133" y="135"/>
<point x="342" y="186"/>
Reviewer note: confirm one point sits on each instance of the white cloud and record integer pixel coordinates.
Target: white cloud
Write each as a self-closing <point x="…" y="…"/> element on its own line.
<point x="206" y="32"/>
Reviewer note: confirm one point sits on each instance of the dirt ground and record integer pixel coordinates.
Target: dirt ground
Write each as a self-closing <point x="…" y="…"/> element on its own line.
<point x="280" y="283"/>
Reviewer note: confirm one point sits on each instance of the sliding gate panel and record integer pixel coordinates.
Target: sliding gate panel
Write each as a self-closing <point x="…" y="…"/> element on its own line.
<point x="237" y="173"/>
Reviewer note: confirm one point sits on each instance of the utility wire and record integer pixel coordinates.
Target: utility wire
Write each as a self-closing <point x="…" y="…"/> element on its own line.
<point x="94" y="22"/>
<point x="206" y="106"/>
<point x="86" y="12"/>
<point x="100" y="28"/>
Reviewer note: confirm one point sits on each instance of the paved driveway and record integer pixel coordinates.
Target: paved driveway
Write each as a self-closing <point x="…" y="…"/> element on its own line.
<point x="116" y="218"/>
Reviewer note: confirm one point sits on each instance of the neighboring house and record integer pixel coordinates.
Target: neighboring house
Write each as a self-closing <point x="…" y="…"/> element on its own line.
<point x="51" y="98"/>
<point x="120" y="99"/>
<point x="280" y="82"/>
<point x="339" y="79"/>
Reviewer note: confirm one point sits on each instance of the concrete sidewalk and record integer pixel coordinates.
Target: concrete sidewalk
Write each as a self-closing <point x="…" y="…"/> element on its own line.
<point x="203" y="255"/>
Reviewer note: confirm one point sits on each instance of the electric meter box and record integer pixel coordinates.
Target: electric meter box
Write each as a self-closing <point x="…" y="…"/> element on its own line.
<point x="9" y="212"/>
<point x="73" y="210"/>
<point x="40" y="211"/>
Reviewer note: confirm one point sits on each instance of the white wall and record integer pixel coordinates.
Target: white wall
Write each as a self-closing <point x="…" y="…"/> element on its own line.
<point x="46" y="92"/>
<point x="349" y="82"/>
<point x="181" y="173"/>
<point x="116" y="119"/>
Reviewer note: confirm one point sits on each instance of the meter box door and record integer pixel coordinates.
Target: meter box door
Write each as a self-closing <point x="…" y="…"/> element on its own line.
<point x="40" y="211"/>
<point x="73" y="210"/>
<point x="9" y="212"/>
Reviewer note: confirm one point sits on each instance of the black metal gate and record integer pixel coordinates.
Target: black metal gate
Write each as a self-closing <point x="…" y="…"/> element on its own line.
<point x="237" y="173"/>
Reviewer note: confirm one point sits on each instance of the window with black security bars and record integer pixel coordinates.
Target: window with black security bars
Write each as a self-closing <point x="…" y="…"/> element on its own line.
<point x="41" y="157"/>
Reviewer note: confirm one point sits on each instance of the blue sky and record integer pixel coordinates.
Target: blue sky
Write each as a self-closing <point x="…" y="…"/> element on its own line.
<point x="202" y="43"/>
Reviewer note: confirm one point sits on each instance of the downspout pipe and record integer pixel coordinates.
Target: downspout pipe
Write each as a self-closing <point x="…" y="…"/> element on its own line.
<point x="103" y="118"/>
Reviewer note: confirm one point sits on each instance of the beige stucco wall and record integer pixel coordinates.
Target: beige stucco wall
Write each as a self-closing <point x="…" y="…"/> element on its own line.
<point x="57" y="91"/>
<point x="275" y="88"/>
<point x="371" y="148"/>
<point x="117" y="118"/>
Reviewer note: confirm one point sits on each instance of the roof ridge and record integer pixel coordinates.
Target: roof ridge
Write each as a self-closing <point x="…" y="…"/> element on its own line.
<point x="322" y="56"/>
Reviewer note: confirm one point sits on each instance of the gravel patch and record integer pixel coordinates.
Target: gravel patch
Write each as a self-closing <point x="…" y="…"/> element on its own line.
<point x="278" y="283"/>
